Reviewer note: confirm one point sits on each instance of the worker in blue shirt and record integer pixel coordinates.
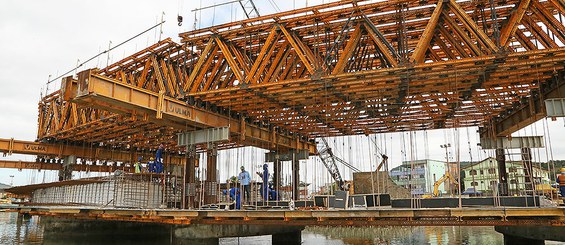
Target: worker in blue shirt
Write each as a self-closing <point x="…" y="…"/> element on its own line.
<point x="245" y="179"/>
<point x="234" y="196"/>
<point x="265" y="185"/>
<point x="159" y="159"/>
<point x="151" y="165"/>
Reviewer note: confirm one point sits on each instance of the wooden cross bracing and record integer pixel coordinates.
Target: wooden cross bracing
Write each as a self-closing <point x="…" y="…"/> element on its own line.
<point x="335" y="69"/>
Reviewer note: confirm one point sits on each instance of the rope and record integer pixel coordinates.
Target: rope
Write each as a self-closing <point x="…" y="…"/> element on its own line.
<point x="105" y="51"/>
<point x="551" y="167"/>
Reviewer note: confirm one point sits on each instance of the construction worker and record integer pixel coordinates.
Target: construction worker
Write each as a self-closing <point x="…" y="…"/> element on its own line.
<point x="265" y="185"/>
<point x="234" y="196"/>
<point x="245" y="179"/>
<point x="137" y="166"/>
<point x="151" y="165"/>
<point x="561" y="181"/>
<point x="159" y="154"/>
<point x="273" y="194"/>
<point x="158" y="167"/>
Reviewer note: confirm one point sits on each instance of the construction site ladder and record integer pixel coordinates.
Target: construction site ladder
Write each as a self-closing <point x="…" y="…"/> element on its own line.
<point x="529" y="185"/>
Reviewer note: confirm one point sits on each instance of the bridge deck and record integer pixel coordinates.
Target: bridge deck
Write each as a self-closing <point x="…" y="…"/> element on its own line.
<point x="548" y="216"/>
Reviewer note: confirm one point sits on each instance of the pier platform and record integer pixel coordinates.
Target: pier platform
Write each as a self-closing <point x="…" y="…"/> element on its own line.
<point x="506" y="216"/>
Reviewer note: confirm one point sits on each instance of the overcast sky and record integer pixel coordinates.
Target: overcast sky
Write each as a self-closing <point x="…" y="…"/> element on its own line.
<point x="43" y="38"/>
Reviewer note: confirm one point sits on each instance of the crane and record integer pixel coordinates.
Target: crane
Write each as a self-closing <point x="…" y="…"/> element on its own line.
<point x="383" y="162"/>
<point x="383" y="156"/>
<point x="248" y="7"/>
<point x="441" y="180"/>
<point x="330" y="161"/>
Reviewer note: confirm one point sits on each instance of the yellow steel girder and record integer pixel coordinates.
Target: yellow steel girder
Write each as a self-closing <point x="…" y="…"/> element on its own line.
<point x="102" y="92"/>
<point x="11" y="146"/>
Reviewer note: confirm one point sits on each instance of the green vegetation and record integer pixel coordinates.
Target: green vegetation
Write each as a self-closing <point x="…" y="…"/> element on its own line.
<point x="558" y="165"/>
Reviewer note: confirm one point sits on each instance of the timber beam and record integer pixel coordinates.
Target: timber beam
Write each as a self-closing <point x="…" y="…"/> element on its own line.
<point x="101" y="92"/>
<point x="268" y="80"/>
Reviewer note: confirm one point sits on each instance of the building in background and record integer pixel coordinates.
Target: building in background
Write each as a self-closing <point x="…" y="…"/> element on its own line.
<point x="3" y="188"/>
<point x="483" y="176"/>
<point x="419" y="176"/>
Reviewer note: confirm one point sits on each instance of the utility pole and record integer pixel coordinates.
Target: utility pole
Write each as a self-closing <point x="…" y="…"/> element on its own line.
<point x="446" y="146"/>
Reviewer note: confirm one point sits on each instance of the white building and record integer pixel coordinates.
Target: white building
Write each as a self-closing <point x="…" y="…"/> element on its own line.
<point x="419" y="176"/>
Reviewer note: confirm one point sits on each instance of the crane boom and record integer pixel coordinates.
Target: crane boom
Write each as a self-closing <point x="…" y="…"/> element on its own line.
<point x="383" y="161"/>
<point x="330" y="161"/>
<point x="248" y="10"/>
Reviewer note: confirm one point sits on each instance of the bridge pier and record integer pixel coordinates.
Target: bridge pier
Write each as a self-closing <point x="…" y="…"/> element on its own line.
<point x="66" y="173"/>
<point x="57" y="229"/>
<point x="515" y="240"/>
<point x="295" y="178"/>
<point x="530" y="235"/>
<point x="502" y="175"/>
<point x="277" y="175"/>
<point x="190" y="177"/>
<point x="211" y="184"/>
<point x="294" y="237"/>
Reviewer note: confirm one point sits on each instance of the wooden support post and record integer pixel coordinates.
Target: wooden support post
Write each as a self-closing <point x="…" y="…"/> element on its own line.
<point x="295" y="177"/>
<point x="502" y="175"/>
<point x="277" y="175"/>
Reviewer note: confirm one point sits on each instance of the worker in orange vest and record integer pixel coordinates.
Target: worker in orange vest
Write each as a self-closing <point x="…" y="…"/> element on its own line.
<point x="561" y="181"/>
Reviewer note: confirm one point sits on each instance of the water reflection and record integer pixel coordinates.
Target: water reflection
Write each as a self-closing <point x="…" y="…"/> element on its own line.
<point x="411" y="235"/>
<point x="17" y="229"/>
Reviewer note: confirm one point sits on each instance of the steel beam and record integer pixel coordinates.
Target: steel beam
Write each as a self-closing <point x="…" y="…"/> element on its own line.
<point x="11" y="146"/>
<point x="209" y="135"/>
<point x="30" y="165"/>
<point x="109" y="94"/>
<point x="57" y="166"/>
<point x="555" y="107"/>
<point x="512" y="143"/>
<point x="529" y="111"/>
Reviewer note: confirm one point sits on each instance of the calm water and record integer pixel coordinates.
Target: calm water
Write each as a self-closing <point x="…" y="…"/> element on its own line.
<point x="14" y="230"/>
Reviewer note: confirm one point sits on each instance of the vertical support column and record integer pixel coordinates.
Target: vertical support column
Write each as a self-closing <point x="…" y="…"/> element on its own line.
<point x="287" y="238"/>
<point x="528" y="170"/>
<point x="514" y="240"/>
<point x="190" y="177"/>
<point x="277" y="175"/>
<point x="66" y="173"/>
<point x="502" y="175"/>
<point x="211" y="185"/>
<point x="295" y="177"/>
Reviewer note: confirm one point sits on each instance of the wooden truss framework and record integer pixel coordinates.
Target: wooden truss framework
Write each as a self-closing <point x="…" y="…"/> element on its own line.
<point x="343" y="68"/>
